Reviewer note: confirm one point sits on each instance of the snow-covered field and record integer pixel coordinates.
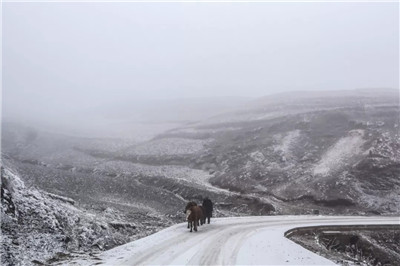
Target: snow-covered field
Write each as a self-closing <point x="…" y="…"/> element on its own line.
<point x="255" y="240"/>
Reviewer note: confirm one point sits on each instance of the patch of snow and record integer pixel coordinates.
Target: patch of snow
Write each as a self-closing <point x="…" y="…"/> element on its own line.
<point x="171" y="146"/>
<point x="384" y="201"/>
<point x="286" y="143"/>
<point x="257" y="156"/>
<point x="340" y="153"/>
<point x="184" y="174"/>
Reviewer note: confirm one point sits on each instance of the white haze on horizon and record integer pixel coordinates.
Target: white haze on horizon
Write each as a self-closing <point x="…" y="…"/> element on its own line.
<point x="62" y="62"/>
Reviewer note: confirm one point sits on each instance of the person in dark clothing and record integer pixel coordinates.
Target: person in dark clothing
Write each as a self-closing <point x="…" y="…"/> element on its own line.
<point x="208" y="207"/>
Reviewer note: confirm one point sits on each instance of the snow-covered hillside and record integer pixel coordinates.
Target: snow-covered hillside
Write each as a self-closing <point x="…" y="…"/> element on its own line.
<point x="341" y="153"/>
<point x="322" y="154"/>
<point x="40" y="228"/>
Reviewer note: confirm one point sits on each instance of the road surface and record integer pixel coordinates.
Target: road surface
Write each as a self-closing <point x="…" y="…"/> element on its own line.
<point x="256" y="240"/>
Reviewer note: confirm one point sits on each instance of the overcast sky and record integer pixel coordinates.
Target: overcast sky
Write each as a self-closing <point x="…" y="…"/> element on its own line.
<point x="59" y="56"/>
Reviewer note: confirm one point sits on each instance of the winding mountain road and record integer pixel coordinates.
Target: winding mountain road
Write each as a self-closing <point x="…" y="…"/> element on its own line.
<point x="256" y="240"/>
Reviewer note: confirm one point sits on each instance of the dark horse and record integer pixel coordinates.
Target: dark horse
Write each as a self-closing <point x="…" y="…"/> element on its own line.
<point x="188" y="206"/>
<point x="194" y="219"/>
<point x="208" y="209"/>
<point x="193" y="215"/>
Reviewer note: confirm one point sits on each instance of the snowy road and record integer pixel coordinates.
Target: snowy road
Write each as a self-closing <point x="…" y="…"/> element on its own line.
<point x="227" y="241"/>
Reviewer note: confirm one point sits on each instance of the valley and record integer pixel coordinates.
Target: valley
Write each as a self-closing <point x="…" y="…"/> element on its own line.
<point x="279" y="155"/>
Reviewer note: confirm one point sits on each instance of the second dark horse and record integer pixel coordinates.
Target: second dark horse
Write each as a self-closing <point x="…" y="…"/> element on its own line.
<point x="208" y="209"/>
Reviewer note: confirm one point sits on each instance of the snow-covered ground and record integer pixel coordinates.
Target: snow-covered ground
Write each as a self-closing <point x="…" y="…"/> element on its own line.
<point x="181" y="174"/>
<point x="256" y="240"/>
<point x="342" y="151"/>
<point x="285" y="144"/>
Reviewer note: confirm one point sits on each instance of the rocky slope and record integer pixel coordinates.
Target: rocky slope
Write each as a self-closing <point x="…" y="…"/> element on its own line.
<point x="40" y="228"/>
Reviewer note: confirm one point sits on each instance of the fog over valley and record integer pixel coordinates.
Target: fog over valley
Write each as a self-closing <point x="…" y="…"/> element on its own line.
<point x="75" y="64"/>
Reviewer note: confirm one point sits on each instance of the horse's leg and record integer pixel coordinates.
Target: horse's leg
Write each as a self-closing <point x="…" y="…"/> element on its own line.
<point x="190" y="226"/>
<point x="208" y="219"/>
<point x="195" y="225"/>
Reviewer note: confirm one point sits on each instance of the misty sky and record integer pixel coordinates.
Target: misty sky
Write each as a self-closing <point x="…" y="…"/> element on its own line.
<point x="70" y="56"/>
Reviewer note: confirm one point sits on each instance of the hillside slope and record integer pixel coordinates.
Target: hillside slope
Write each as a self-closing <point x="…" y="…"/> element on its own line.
<point x="339" y="154"/>
<point x="39" y="227"/>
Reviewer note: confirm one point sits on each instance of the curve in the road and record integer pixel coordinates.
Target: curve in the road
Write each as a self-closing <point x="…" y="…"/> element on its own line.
<point x="256" y="240"/>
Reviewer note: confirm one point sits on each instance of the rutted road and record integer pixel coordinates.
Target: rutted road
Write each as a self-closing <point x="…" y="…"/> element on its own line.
<point x="228" y="241"/>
